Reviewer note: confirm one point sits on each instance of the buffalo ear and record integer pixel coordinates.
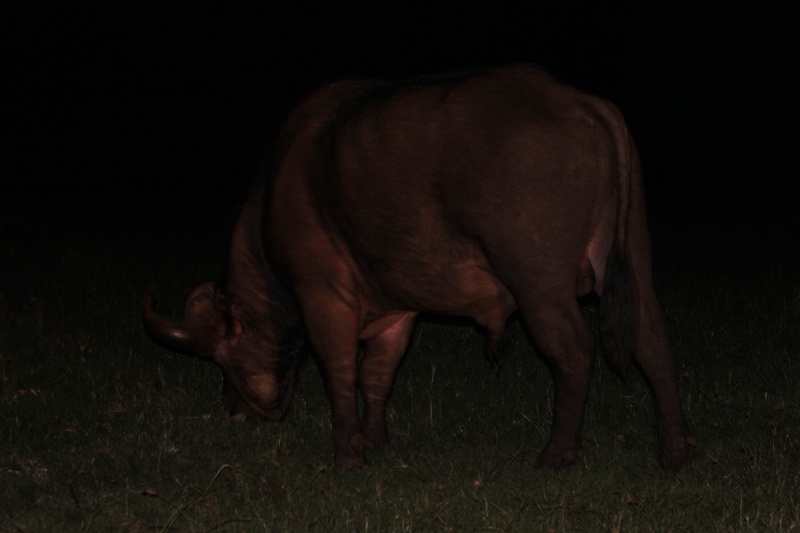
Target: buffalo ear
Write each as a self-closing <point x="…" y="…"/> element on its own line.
<point x="229" y="308"/>
<point x="201" y="300"/>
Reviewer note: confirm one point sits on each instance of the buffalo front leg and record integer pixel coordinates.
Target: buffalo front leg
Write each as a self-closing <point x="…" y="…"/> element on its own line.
<point x="376" y="375"/>
<point x="567" y="343"/>
<point x="333" y="332"/>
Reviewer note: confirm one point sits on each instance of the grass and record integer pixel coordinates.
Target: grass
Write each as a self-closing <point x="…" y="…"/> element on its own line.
<point x="100" y="430"/>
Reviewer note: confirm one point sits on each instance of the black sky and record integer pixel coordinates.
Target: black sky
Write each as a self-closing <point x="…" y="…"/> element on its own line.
<point x="119" y="103"/>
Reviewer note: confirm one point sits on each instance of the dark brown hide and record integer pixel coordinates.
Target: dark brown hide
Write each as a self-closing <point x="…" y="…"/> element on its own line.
<point x="470" y="195"/>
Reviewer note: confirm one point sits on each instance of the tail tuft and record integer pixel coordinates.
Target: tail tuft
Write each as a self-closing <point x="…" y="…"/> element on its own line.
<point x="618" y="312"/>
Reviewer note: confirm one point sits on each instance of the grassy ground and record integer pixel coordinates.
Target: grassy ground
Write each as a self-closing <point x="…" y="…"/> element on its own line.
<point x="101" y="430"/>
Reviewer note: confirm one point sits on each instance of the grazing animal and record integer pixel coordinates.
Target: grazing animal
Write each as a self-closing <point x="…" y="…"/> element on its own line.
<point x="471" y="194"/>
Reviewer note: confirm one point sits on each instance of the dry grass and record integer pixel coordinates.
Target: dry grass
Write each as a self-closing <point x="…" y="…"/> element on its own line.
<point x="101" y="430"/>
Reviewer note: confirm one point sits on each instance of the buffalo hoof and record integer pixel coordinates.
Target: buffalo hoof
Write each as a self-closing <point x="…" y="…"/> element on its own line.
<point x="378" y="440"/>
<point x="675" y="452"/>
<point x="557" y="459"/>
<point x="346" y="462"/>
<point x="360" y="442"/>
<point x="350" y="455"/>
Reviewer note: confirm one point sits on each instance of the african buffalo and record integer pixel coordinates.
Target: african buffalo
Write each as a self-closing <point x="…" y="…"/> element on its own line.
<point x="469" y="194"/>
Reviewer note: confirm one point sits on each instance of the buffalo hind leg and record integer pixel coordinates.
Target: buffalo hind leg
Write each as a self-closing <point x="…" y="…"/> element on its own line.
<point x="655" y="358"/>
<point x="566" y="341"/>
<point x="376" y="373"/>
<point x="653" y="349"/>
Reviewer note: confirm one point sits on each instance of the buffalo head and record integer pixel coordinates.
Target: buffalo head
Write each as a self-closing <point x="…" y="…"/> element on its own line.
<point x="258" y="354"/>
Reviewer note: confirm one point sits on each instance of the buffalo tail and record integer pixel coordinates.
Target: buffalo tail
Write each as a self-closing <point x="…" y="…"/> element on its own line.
<point x="618" y="311"/>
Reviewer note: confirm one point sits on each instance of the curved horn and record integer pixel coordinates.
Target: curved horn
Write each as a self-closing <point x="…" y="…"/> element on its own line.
<point x="197" y="335"/>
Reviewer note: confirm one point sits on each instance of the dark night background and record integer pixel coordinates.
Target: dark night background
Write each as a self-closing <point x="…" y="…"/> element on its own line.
<point x="117" y="109"/>
<point x="134" y="131"/>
